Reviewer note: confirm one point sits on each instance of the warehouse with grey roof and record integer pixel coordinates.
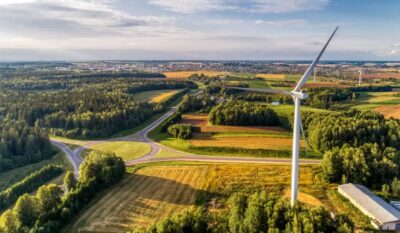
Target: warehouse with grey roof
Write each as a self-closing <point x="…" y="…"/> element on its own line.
<point x="383" y="215"/>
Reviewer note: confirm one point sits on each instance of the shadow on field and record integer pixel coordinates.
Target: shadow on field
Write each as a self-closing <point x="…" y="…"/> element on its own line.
<point x="170" y="191"/>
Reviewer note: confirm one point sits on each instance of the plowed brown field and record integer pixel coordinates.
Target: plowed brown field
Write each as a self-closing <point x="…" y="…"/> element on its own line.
<point x="389" y="111"/>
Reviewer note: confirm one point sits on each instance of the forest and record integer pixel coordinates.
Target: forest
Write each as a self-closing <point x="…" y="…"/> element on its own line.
<point x="358" y="146"/>
<point x="243" y="113"/>
<point x="50" y="208"/>
<point x="21" y="144"/>
<point x="74" y="107"/>
<point x="258" y="212"/>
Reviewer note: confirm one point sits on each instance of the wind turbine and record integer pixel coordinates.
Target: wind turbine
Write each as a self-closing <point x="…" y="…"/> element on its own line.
<point x="359" y="77"/>
<point x="315" y="73"/>
<point x="297" y="95"/>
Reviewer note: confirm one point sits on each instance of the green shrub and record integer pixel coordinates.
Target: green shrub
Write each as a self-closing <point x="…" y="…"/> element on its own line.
<point x="183" y="131"/>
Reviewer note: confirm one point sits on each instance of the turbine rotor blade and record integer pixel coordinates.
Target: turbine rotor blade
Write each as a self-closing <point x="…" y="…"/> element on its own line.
<point x="304" y="136"/>
<point x="310" y="69"/>
<point x="263" y="90"/>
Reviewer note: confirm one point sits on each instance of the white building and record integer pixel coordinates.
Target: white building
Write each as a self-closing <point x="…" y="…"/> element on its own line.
<point x="383" y="215"/>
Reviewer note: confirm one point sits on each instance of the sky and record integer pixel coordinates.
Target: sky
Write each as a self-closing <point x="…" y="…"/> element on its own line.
<point x="198" y="29"/>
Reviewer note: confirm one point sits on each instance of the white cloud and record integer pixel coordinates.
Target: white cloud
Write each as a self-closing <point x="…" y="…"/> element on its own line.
<point x="10" y="2"/>
<point x="283" y="23"/>
<point x="190" y="6"/>
<point x="393" y="50"/>
<point x="262" y="6"/>
<point x="62" y="15"/>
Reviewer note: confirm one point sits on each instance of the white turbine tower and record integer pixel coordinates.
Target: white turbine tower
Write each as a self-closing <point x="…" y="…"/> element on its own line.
<point x="297" y="95"/>
<point x="360" y="77"/>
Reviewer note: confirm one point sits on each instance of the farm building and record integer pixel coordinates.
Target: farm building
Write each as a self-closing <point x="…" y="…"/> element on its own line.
<point x="383" y="215"/>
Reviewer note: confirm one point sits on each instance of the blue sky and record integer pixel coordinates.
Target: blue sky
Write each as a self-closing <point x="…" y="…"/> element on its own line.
<point x="198" y="29"/>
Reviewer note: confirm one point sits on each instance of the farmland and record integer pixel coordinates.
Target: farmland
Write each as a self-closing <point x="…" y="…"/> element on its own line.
<point x="152" y="192"/>
<point x="247" y="137"/>
<point x="271" y="76"/>
<point x="125" y="150"/>
<point x="156" y="96"/>
<point x="389" y="111"/>
<point x="186" y="74"/>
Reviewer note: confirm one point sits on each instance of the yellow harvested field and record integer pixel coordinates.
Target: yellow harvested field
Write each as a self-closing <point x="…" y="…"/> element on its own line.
<point x="389" y="111"/>
<point x="246" y="142"/>
<point x="163" y="96"/>
<point x="154" y="192"/>
<point x="186" y="74"/>
<point x="201" y="120"/>
<point x="304" y="198"/>
<point x="271" y="76"/>
<point x="148" y="195"/>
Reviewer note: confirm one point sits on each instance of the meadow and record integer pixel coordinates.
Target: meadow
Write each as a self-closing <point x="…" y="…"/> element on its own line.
<point x="152" y="192"/>
<point x="386" y="103"/>
<point x="125" y="149"/>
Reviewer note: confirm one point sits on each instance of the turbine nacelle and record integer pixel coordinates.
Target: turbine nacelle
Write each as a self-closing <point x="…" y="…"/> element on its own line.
<point x="299" y="95"/>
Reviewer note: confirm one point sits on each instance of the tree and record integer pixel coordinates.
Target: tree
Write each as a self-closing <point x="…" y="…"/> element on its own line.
<point x="26" y="210"/>
<point x="69" y="181"/>
<point x="237" y="207"/>
<point x="9" y="222"/>
<point x="395" y="186"/>
<point x="49" y="197"/>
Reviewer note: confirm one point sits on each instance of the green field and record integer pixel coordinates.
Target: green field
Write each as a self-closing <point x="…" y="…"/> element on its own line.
<point x="125" y="150"/>
<point x="258" y="84"/>
<point x="10" y="177"/>
<point x="378" y="98"/>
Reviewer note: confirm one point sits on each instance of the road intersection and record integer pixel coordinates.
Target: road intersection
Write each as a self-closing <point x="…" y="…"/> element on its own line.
<point x="75" y="158"/>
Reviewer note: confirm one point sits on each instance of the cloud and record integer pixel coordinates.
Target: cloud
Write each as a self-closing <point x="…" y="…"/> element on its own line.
<point x="283" y="23"/>
<point x="393" y="50"/>
<point x="81" y="16"/>
<point x="260" y="6"/>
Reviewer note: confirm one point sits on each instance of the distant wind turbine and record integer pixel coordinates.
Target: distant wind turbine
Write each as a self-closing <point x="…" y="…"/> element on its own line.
<point x="360" y="77"/>
<point x="297" y="95"/>
<point x="315" y="73"/>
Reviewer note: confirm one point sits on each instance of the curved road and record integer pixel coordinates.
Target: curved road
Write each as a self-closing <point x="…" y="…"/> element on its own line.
<point x="141" y="136"/>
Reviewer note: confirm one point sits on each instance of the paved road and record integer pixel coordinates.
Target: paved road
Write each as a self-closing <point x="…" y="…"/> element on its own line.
<point x="73" y="155"/>
<point x="141" y="136"/>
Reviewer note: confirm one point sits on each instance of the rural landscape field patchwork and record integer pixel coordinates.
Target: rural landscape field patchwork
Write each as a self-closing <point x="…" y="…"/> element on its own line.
<point x="191" y="116"/>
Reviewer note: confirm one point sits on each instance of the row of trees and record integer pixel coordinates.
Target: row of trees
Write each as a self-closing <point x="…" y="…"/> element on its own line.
<point x="197" y="103"/>
<point x="183" y="131"/>
<point x="256" y="213"/>
<point x="28" y="184"/>
<point x="51" y="208"/>
<point x="243" y="113"/>
<point x="325" y="97"/>
<point x="268" y="98"/>
<point x="21" y="145"/>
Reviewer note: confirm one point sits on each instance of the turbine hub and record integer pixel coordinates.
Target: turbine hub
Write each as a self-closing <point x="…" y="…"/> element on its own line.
<point x="299" y="95"/>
